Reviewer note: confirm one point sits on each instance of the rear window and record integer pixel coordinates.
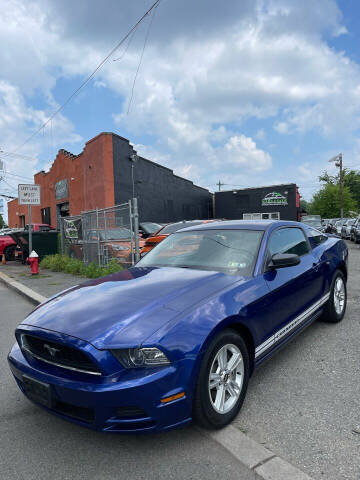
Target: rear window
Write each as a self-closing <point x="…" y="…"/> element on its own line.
<point x="174" y="227"/>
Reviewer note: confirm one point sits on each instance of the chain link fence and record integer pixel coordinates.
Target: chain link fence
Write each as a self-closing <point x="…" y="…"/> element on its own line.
<point x="102" y="235"/>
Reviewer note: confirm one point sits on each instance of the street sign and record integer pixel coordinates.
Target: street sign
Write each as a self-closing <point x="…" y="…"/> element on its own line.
<point x="29" y="194"/>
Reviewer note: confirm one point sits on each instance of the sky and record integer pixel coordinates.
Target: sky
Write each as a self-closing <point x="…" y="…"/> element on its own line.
<point x="250" y="93"/>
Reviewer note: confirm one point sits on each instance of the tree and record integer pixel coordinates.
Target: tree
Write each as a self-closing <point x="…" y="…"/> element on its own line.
<point x="351" y="179"/>
<point x="305" y="205"/>
<point x="326" y="202"/>
<point x="2" y="222"/>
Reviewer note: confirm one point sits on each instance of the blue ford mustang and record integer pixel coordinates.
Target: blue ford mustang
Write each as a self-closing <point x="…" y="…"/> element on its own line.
<point x="177" y="337"/>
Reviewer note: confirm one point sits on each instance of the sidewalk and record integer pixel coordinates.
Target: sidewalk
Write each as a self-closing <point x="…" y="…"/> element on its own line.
<point x="47" y="283"/>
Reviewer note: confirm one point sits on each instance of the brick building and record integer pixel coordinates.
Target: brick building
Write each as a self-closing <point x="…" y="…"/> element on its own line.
<point x="106" y="173"/>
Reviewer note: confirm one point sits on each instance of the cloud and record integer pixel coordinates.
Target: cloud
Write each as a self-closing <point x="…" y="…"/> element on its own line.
<point x="241" y="151"/>
<point x="207" y="71"/>
<point x="281" y="127"/>
<point x="260" y="134"/>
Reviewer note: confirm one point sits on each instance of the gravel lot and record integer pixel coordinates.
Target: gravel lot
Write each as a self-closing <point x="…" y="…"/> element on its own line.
<point x="304" y="404"/>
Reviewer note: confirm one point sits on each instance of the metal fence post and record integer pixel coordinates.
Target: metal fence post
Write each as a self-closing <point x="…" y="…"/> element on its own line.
<point x="62" y="236"/>
<point x="30" y="229"/>
<point x="136" y="230"/>
<point x="98" y="237"/>
<point x="132" y="232"/>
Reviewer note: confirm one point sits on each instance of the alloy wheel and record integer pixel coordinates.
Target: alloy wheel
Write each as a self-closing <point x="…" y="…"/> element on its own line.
<point x="339" y="295"/>
<point x="226" y="378"/>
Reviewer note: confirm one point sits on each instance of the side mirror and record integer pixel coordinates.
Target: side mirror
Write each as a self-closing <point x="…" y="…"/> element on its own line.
<point x="282" y="260"/>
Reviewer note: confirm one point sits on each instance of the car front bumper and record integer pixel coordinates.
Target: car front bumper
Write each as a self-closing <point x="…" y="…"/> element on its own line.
<point x="132" y="405"/>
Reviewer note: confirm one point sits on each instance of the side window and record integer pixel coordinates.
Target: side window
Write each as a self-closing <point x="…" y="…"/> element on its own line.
<point x="316" y="237"/>
<point x="288" y="240"/>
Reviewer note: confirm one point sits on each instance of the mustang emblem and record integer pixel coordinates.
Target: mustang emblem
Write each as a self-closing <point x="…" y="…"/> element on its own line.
<point x="51" y="350"/>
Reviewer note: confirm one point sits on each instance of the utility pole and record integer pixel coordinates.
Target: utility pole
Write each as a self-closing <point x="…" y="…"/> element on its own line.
<point x="220" y="184"/>
<point x="338" y="159"/>
<point x="340" y="164"/>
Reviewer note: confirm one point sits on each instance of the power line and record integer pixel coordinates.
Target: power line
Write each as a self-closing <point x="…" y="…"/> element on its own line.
<point x="7" y="196"/>
<point x="126" y="48"/>
<point x="7" y="183"/>
<point x="86" y="81"/>
<point x="18" y="176"/>
<point x="141" y="57"/>
<point x="13" y="154"/>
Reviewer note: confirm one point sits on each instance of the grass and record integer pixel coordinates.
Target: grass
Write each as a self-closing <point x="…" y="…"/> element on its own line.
<point x="63" y="263"/>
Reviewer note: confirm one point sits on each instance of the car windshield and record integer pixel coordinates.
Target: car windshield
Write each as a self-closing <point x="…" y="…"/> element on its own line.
<point x="227" y="251"/>
<point x="174" y="227"/>
<point x="115" y="234"/>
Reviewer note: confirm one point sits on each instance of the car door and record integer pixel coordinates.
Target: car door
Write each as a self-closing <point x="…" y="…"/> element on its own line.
<point x="293" y="291"/>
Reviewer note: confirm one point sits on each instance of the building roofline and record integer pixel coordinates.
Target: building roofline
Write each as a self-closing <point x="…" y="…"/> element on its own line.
<point x="258" y="188"/>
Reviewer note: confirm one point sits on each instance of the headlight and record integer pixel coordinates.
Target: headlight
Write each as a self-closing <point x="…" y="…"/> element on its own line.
<point x="140" y="357"/>
<point x="117" y="248"/>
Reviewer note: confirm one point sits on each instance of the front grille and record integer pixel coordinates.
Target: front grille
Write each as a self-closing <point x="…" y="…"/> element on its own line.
<point x="58" y="354"/>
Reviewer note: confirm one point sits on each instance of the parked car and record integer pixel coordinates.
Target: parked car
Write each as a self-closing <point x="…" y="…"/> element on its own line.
<point x="331" y="226"/>
<point x="40" y="227"/>
<point x="166" y="230"/>
<point x="112" y="243"/>
<point x="7" y="247"/>
<point x="355" y="231"/>
<point x="338" y="226"/>
<point x="177" y="337"/>
<point x="346" y="228"/>
<point x="313" y="221"/>
<point x="147" y="229"/>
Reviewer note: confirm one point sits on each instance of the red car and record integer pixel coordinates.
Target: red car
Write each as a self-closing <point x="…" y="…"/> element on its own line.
<point x="40" y="227"/>
<point x="7" y="246"/>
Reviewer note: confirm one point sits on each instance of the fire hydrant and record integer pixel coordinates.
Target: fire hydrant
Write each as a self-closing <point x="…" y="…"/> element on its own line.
<point x="33" y="261"/>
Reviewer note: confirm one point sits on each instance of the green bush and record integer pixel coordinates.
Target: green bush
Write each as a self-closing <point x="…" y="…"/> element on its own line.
<point x="63" y="263"/>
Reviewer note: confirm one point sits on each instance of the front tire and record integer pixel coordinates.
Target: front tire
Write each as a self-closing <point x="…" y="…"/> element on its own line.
<point x="222" y="381"/>
<point x="336" y="306"/>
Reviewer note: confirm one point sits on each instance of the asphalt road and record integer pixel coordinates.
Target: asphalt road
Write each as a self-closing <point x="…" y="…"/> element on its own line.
<point x="304" y="404"/>
<point x="36" y="445"/>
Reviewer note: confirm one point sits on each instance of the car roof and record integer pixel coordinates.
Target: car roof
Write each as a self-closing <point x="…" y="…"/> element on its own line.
<point x="242" y="225"/>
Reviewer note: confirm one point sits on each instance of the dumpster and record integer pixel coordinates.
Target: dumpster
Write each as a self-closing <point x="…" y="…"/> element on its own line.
<point x="44" y="243"/>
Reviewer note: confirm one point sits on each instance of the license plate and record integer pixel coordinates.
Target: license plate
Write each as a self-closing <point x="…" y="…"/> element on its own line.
<point x="38" y="391"/>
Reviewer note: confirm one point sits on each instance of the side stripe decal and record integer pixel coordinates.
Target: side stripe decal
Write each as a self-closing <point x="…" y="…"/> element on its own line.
<point x="290" y="326"/>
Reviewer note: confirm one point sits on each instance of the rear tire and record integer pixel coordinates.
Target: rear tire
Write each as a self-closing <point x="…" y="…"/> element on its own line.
<point x="10" y="253"/>
<point x="336" y="305"/>
<point x="221" y="389"/>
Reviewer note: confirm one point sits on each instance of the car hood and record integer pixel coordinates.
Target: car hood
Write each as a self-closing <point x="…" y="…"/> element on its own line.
<point x="122" y="310"/>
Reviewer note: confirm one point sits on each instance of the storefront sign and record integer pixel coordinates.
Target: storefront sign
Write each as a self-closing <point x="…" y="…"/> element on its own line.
<point x="61" y="189"/>
<point x="29" y="194"/>
<point x="274" y="198"/>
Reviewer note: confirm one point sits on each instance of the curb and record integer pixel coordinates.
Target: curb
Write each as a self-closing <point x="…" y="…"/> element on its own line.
<point x="26" y="292"/>
<point x="264" y="463"/>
